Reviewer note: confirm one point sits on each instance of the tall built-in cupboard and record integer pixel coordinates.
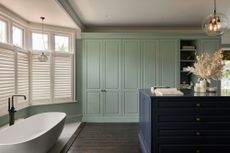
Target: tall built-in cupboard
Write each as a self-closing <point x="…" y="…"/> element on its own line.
<point x="116" y="65"/>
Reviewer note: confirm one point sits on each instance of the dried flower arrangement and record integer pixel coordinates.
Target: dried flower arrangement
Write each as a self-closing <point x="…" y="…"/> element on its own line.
<point x="208" y="66"/>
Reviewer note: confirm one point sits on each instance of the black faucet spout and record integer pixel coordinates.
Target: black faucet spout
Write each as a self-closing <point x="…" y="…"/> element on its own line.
<point x="11" y="108"/>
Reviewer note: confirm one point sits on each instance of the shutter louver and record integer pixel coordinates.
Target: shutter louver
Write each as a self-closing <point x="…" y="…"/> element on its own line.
<point x="63" y="78"/>
<point x="7" y="78"/>
<point x="40" y="81"/>
<point x="23" y="78"/>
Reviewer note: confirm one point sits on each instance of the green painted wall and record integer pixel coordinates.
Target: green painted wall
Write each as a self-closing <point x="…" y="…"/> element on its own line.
<point x="23" y="113"/>
<point x="71" y="110"/>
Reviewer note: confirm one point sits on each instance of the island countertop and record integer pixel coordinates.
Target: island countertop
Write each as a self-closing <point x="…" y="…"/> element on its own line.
<point x="189" y="93"/>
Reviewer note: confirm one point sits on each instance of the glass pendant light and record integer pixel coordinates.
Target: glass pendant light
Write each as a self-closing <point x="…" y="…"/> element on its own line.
<point x="215" y="23"/>
<point x="42" y="57"/>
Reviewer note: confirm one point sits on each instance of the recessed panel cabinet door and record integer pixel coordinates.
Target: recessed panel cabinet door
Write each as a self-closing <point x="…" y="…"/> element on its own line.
<point x="92" y="76"/>
<point x="112" y="70"/>
<point x="93" y="102"/>
<point x="131" y="76"/>
<point x="168" y="63"/>
<point x="149" y="49"/>
<point x="210" y="46"/>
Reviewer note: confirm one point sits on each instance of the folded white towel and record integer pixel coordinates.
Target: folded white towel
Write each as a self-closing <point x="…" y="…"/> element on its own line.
<point x="168" y="92"/>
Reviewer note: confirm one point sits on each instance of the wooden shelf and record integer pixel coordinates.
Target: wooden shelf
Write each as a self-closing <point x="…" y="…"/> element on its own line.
<point x="188" y="50"/>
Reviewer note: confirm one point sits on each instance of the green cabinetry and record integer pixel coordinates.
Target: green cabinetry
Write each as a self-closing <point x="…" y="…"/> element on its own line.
<point x="92" y="78"/>
<point x="111" y="77"/>
<point x="101" y="78"/>
<point x="149" y="63"/>
<point x="209" y="45"/>
<point x="116" y="65"/>
<point x="168" y="63"/>
<point x="131" y="76"/>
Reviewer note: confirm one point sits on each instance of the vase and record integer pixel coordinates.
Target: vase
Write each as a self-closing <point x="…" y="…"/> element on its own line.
<point x="203" y="85"/>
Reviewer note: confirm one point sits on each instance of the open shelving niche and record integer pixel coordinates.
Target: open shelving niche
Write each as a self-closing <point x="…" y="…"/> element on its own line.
<point x="188" y="49"/>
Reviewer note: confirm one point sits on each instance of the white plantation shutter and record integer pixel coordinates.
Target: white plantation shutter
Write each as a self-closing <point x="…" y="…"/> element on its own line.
<point x="63" y="78"/>
<point x="7" y="78"/>
<point x="23" y="78"/>
<point x="41" y="81"/>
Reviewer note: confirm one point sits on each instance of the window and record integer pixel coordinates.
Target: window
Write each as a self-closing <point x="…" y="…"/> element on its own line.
<point x="39" y="41"/>
<point x="22" y="73"/>
<point x="52" y="81"/>
<point x="14" y="78"/>
<point x="63" y="69"/>
<point x="63" y="77"/>
<point x="61" y="43"/>
<point x="7" y="78"/>
<point x="23" y="77"/>
<point x="40" y="81"/>
<point x="17" y="36"/>
<point x="3" y="31"/>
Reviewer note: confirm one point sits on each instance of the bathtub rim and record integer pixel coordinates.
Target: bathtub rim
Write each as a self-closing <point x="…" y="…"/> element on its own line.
<point x="40" y="134"/>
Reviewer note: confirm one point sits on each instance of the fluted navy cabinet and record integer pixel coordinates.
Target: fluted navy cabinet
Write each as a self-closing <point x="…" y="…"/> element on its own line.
<point x="184" y="124"/>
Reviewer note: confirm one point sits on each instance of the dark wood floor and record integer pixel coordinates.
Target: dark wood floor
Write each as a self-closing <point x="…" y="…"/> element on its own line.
<point x="106" y="138"/>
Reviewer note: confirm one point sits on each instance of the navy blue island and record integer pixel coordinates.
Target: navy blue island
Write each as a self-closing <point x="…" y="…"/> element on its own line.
<point x="192" y="123"/>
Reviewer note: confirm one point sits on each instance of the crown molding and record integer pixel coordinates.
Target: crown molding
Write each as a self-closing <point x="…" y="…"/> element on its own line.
<point x="72" y="13"/>
<point x="142" y="29"/>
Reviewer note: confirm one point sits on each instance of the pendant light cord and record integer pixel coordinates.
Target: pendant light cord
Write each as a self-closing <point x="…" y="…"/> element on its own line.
<point x="214" y="7"/>
<point x="43" y="18"/>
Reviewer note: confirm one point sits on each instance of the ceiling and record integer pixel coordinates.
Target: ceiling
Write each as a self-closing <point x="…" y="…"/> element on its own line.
<point x="117" y="13"/>
<point x="32" y="10"/>
<point x="156" y="13"/>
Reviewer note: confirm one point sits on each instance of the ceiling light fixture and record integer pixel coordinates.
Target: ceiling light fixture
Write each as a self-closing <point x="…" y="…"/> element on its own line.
<point x="215" y="23"/>
<point x="42" y="57"/>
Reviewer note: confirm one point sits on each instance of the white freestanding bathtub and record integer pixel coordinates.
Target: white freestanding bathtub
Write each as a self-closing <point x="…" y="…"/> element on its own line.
<point x="36" y="134"/>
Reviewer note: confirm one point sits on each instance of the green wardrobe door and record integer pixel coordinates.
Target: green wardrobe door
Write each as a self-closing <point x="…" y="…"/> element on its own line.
<point x="131" y="76"/>
<point x="92" y="74"/>
<point x="209" y="45"/>
<point x="112" y="70"/>
<point x="168" y="63"/>
<point x="149" y="50"/>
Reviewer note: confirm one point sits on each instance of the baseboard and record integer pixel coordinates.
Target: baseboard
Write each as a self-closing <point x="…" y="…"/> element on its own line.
<point x="110" y="119"/>
<point x="73" y="118"/>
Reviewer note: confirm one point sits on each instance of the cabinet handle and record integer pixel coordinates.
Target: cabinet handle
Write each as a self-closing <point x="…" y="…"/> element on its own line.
<point x="197" y="105"/>
<point x="198" y="119"/>
<point x="197" y="133"/>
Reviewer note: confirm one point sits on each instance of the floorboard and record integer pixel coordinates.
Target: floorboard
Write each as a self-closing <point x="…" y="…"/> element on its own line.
<point x="106" y="138"/>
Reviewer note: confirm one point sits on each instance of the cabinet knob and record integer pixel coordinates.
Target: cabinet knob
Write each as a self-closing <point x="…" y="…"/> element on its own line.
<point x="197" y="151"/>
<point x="197" y="105"/>
<point x="198" y="119"/>
<point x="102" y="90"/>
<point x="197" y="133"/>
